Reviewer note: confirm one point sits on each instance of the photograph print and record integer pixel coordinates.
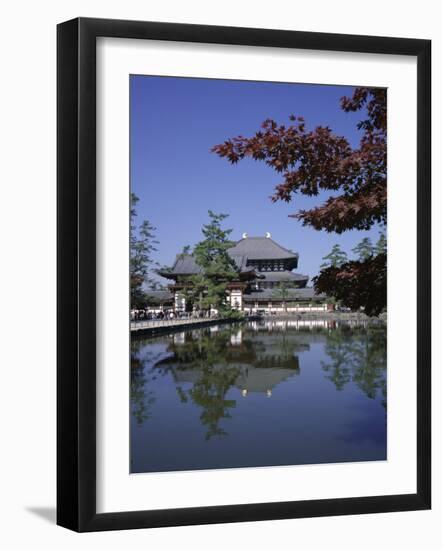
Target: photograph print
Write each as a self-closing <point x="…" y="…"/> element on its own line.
<point x="258" y="274"/>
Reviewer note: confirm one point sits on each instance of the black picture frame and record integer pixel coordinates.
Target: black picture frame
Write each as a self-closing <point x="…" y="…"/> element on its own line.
<point x="76" y="273"/>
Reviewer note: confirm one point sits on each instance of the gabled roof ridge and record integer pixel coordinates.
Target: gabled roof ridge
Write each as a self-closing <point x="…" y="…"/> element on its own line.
<point x="180" y="256"/>
<point x="283" y="247"/>
<point x="243" y="242"/>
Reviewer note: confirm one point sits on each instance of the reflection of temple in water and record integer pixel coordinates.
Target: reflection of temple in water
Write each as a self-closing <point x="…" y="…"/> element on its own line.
<point x="250" y="380"/>
<point x="259" y="361"/>
<point x="212" y="368"/>
<point x="264" y="380"/>
<point x="256" y="360"/>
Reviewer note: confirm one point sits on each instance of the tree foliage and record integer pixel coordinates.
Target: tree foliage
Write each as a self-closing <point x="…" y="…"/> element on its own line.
<point x="211" y="253"/>
<point x="335" y="258"/>
<point x="312" y="161"/>
<point x="142" y="246"/>
<point x="209" y="287"/>
<point x="381" y="245"/>
<point x="357" y="284"/>
<point x="364" y="249"/>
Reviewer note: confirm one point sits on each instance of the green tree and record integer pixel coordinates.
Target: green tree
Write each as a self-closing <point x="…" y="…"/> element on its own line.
<point x="381" y="245"/>
<point x="209" y="287"/>
<point x="282" y="292"/>
<point x="335" y="258"/>
<point x="142" y="246"/>
<point x="211" y="253"/>
<point x="357" y="284"/>
<point x="186" y="250"/>
<point x="364" y="250"/>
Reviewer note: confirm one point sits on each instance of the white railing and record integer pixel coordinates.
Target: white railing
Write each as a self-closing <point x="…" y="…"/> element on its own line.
<point x="156" y="323"/>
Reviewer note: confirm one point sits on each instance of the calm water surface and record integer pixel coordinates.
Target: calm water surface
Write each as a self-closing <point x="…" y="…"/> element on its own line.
<point x="258" y="394"/>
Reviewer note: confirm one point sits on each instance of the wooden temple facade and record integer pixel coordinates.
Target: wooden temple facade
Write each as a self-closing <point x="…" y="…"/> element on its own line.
<point x="264" y="268"/>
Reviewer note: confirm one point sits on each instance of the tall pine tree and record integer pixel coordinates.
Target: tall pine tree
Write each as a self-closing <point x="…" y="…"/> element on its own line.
<point x="142" y="246"/>
<point x="364" y="249"/>
<point x="335" y="258"/>
<point x="210" y="287"/>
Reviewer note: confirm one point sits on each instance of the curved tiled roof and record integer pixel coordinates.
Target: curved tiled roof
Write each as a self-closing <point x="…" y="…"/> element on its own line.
<point x="292" y="294"/>
<point x="278" y="276"/>
<point x="245" y="250"/>
<point x="185" y="264"/>
<point x="261" y="248"/>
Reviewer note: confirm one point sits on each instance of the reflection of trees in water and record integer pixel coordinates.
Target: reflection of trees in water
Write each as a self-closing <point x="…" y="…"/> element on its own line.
<point x="214" y="365"/>
<point x="209" y="393"/>
<point x="358" y="355"/>
<point x="253" y="361"/>
<point x="209" y="357"/>
<point x="141" y="397"/>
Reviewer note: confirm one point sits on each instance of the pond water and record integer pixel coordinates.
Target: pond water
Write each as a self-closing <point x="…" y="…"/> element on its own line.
<point x="262" y="393"/>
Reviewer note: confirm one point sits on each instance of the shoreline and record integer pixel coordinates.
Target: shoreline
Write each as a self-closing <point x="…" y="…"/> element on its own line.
<point x="328" y="316"/>
<point x="155" y="328"/>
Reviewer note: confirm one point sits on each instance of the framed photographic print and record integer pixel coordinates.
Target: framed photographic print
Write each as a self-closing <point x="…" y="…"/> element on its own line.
<point x="243" y="300"/>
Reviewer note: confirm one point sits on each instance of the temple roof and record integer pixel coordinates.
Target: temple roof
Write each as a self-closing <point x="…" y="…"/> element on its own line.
<point x="245" y="250"/>
<point x="261" y="248"/>
<point x="292" y="294"/>
<point x="185" y="264"/>
<point x="278" y="276"/>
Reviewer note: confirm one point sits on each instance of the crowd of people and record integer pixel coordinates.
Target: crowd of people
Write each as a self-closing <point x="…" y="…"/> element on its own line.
<point x="146" y="315"/>
<point x="167" y="315"/>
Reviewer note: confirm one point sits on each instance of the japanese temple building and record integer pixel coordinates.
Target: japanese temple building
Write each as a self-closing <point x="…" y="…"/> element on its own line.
<point x="263" y="267"/>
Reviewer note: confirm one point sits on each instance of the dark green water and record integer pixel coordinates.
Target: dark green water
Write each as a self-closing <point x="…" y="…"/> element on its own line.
<point x="258" y="394"/>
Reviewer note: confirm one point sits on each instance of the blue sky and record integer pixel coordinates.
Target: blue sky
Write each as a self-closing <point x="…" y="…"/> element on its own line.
<point x="175" y="122"/>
